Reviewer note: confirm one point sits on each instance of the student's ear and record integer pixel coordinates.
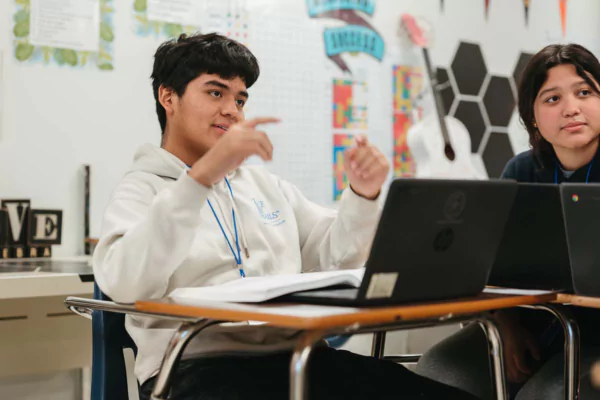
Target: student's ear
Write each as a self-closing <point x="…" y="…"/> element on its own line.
<point x="166" y="97"/>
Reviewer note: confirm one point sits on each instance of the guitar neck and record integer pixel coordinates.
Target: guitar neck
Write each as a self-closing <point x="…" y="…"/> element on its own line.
<point x="439" y="105"/>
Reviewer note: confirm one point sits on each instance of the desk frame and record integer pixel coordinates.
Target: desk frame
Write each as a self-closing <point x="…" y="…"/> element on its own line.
<point x="191" y="326"/>
<point x="572" y="347"/>
<point x="194" y="319"/>
<point x="308" y="340"/>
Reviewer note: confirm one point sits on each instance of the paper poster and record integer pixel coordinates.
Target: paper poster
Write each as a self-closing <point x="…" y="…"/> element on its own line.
<point x="73" y="33"/>
<point x="403" y="162"/>
<point x="68" y="24"/>
<point x="349" y="118"/>
<point x="171" y="18"/>
<point x="166" y="18"/>
<point x="183" y="12"/>
<point x="350" y="104"/>
<point x="407" y="85"/>
<point x="229" y="18"/>
<point x="341" y="142"/>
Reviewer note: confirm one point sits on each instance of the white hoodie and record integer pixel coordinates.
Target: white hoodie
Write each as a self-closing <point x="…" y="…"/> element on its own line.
<point x="159" y="234"/>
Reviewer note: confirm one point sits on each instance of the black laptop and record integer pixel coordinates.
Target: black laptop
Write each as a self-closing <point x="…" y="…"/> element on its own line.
<point x="581" y="209"/>
<point x="533" y="253"/>
<point x="436" y="239"/>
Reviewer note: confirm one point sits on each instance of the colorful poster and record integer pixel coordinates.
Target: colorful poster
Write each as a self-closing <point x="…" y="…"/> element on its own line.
<point x="341" y="142"/>
<point x="63" y="32"/>
<point x="404" y="165"/>
<point x="229" y="18"/>
<point x="407" y="85"/>
<point x="349" y="104"/>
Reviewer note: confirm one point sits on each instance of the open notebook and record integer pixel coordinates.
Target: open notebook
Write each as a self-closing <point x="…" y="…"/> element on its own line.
<point x="263" y="288"/>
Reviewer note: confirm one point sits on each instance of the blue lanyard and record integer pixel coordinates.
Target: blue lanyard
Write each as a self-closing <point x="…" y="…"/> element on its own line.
<point x="587" y="176"/>
<point x="238" y="256"/>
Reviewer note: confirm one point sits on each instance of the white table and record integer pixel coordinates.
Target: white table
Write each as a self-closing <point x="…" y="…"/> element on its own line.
<point x="37" y="334"/>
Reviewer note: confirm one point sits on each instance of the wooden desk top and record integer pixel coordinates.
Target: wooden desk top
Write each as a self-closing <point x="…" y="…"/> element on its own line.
<point x="581" y="301"/>
<point x="309" y="317"/>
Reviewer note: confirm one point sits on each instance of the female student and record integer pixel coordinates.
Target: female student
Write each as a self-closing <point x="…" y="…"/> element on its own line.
<point x="559" y="104"/>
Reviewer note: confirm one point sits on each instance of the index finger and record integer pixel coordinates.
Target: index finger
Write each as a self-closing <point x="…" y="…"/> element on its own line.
<point x="252" y="123"/>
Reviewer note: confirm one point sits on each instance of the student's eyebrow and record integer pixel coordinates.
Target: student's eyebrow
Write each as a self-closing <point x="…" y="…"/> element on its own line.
<point x="578" y="83"/>
<point x="547" y="91"/>
<point x="221" y="85"/>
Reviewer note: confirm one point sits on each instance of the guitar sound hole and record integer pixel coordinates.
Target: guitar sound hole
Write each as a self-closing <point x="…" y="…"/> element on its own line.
<point x="449" y="152"/>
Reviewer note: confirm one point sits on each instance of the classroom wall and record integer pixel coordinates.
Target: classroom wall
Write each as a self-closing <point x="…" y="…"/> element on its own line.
<point x="54" y="119"/>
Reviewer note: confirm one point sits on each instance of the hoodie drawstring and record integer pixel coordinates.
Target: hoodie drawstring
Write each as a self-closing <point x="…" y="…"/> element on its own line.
<point x="238" y="215"/>
<point x="243" y="233"/>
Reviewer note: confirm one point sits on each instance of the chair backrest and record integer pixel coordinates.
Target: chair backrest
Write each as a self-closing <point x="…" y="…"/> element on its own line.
<point x="109" y="375"/>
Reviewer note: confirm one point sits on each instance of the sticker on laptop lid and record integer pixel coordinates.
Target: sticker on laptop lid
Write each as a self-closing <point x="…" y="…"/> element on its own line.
<point x="381" y="285"/>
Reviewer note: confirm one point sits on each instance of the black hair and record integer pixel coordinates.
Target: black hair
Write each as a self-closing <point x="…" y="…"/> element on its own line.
<point x="536" y="73"/>
<point x="179" y="61"/>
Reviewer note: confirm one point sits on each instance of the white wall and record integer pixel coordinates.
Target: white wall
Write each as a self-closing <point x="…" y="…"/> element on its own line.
<point x="55" y="119"/>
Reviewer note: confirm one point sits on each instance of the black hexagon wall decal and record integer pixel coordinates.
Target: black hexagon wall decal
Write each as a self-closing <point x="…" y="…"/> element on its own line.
<point x="521" y="64"/>
<point x="499" y="101"/>
<point x="447" y="92"/>
<point x="469" y="113"/>
<point x="468" y="67"/>
<point x="497" y="153"/>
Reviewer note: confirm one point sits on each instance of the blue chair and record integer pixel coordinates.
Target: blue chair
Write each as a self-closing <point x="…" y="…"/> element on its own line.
<point x="109" y="375"/>
<point x="337" y="341"/>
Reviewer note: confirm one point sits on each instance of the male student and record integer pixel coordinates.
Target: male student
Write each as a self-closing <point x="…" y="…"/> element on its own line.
<point x="188" y="214"/>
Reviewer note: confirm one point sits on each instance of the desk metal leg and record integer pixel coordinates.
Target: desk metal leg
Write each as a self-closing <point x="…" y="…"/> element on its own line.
<point x="179" y="341"/>
<point x="299" y="364"/>
<point x="378" y="347"/>
<point x="496" y="358"/>
<point x="572" y="347"/>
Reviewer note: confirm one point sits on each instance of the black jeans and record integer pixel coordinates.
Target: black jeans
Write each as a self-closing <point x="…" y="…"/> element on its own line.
<point x="333" y="374"/>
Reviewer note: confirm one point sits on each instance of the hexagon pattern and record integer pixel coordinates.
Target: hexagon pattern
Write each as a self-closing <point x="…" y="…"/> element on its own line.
<point x="487" y="110"/>
<point x="469" y="113"/>
<point x="469" y="68"/>
<point x="499" y="101"/>
<point x="497" y="152"/>
<point x="521" y="63"/>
